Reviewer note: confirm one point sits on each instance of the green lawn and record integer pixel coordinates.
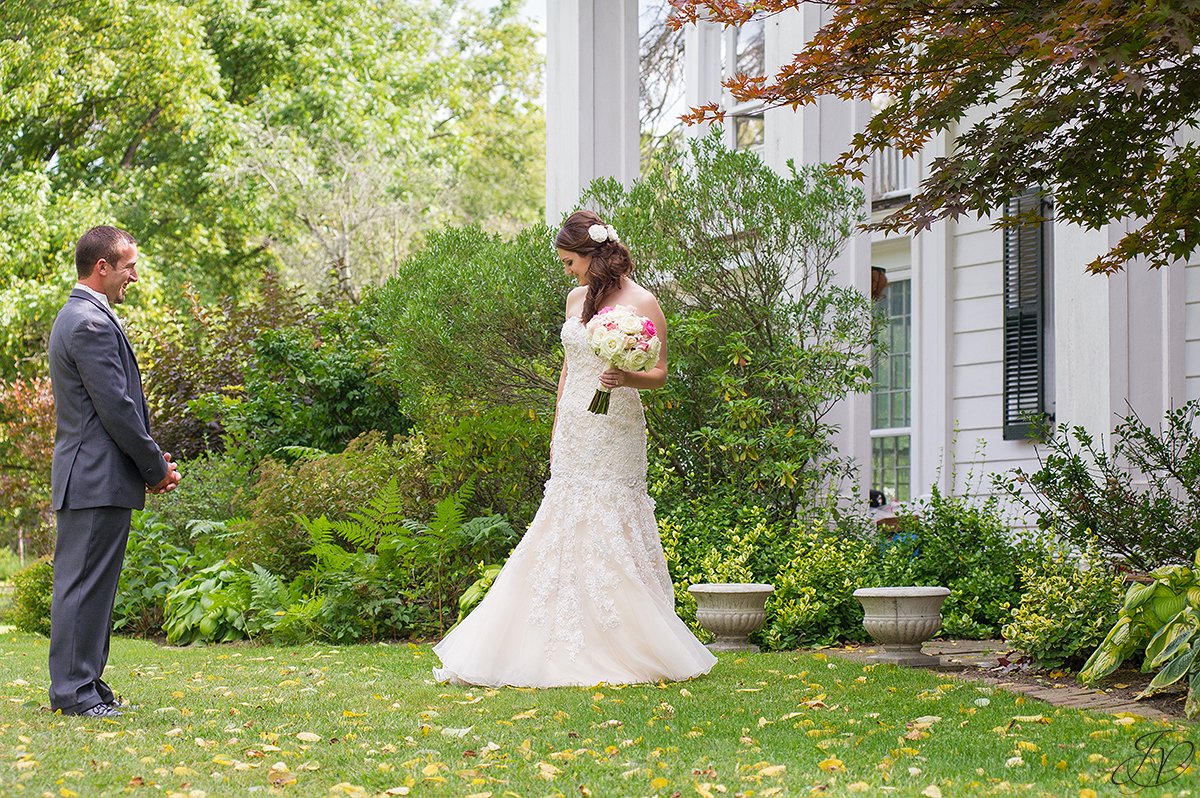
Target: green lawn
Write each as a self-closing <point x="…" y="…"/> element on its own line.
<point x="368" y="720"/>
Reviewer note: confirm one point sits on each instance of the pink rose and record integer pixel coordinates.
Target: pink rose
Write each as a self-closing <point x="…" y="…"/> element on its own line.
<point x="648" y="328"/>
<point x="604" y="310"/>
<point x="608" y="325"/>
<point x="643" y="345"/>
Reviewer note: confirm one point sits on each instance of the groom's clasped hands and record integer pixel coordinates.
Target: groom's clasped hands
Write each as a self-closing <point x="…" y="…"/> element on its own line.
<point x="170" y="481"/>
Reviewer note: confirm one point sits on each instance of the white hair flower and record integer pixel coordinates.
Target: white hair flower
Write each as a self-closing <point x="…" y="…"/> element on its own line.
<point x="612" y="233"/>
<point x="603" y="232"/>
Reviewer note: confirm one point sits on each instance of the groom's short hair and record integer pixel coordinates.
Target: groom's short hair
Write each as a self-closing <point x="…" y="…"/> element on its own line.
<point x="100" y="242"/>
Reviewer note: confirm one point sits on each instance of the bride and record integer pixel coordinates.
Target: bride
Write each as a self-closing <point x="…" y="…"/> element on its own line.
<point x="585" y="596"/>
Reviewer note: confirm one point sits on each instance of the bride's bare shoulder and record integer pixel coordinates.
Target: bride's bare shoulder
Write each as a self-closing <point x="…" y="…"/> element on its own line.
<point x="575" y="300"/>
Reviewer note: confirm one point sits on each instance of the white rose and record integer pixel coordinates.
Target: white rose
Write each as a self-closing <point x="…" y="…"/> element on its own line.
<point x="612" y="233"/>
<point x="598" y="233"/>
<point x="630" y="325"/>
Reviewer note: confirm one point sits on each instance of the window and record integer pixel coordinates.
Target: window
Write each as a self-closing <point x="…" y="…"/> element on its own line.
<point x="891" y="396"/>
<point x="1028" y="323"/>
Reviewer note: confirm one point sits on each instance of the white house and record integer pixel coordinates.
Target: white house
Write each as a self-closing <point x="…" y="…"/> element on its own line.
<point x="984" y="325"/>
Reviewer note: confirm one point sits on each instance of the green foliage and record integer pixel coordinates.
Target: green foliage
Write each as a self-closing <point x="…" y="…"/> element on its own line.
<point x="26" y="446"/>
<point x="1138" y="499"/>
<point x="10" y="563"/>
<point x="334" y="486"/>
<point x="316" y="383"/>
<point x="208" y="606"/>
<point x="953" y="542"/>
<point x="763" y="339"/>
<point x="202" y="350"/>
<point x="722" y="538"/>
<point x="33" y="588"/>
<point x="244" y="134"/>
<point x="474" y="317"/>
<point x="153" y="567"/>
<point x="377" y="575"/>
<point x="1067" y="606"/>
<point x="476" y="591"/>
<point x="218" y="487"/>
<point x="501" y="449"/>
<point x="1159" y="620"/>
<point x="814" y="602"/>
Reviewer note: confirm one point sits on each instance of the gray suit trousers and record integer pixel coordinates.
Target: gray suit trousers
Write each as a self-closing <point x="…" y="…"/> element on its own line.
<point x="87" y="564"/>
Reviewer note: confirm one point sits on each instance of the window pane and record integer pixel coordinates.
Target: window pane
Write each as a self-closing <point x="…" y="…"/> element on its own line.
<point x="890" y="466"/>
<point x="751" y="53"/>
<point x="749" y="132"/>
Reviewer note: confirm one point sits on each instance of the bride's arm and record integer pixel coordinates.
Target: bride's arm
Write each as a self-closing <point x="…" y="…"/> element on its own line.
<point x="655" y="377"/>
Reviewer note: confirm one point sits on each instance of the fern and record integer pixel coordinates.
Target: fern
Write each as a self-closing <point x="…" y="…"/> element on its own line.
<point x="301" y="453"/>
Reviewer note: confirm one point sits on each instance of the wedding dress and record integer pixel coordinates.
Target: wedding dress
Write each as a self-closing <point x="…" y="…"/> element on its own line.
<point x="585" y="597"/>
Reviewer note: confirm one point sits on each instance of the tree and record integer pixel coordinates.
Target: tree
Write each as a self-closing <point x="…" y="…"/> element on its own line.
<point x="1094" y="102"/>
<point x="246" y="136"/>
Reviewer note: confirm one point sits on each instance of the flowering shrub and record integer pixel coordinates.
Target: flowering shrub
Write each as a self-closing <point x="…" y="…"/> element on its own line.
<point x="26" y="446"/>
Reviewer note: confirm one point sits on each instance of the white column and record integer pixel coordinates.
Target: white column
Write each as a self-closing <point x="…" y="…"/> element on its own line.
<point x="701" y="69"/>
<point x="591" y="98"/>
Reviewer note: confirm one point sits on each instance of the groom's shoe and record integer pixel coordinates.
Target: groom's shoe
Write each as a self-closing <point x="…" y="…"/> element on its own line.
<point x="101" y="710"/>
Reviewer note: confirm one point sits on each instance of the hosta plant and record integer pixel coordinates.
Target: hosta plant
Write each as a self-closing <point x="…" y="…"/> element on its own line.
<point x="1160" y="618"/>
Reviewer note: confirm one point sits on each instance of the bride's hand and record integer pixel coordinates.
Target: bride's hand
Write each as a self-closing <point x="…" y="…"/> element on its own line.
<point x="613" y="378"/>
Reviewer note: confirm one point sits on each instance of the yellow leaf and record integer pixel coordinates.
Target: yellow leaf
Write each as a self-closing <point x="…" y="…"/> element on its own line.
<point x="932" y="791"/>
<point x="858" y="786"/>
<point x="658" y="783"/>
<point x="348" y="714"/>
<point x="773" y="770"/>
<point x="1087" y="792"/>
<point x="831" y="764"/>
<point x="528" y="714"/>
<point x="432" y="768"/>
<point x="1031" y="719"/>
<point x="1025" y="745"/>
<point x="65" y="793"/>
<point x="308" y="737"/>
<point x="547" y="771"/>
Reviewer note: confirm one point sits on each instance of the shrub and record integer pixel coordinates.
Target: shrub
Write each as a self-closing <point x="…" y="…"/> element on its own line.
<point x="153" y="567"/>
<point x="763" y="338"/>
<point x="951" y="542"/>
<point x="399" y="578"/>
<point x="813" y="603"/>
<point x="721" y="538"/>
<point x="33" y="589"/>
<point x="334" y="486"/>
<point x="1067" y="607"/>
<point x="474" y="317"/>
<point x="26" y="446"/>
<point x="202" y="350"/>
<point x="1138" y="500"/>
<point x="502" y="450"/>
<point x="217" y="486"/>
<point x="318" y="383"/>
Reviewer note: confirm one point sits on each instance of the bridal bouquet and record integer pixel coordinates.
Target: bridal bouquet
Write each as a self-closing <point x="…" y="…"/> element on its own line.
<point x="624" y="340"/>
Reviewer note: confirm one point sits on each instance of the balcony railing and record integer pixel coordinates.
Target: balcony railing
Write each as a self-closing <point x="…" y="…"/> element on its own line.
<point x="891" y="176"/>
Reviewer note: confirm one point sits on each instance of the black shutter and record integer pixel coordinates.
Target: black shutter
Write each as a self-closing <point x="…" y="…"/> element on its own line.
<point x="1024" y="318"/>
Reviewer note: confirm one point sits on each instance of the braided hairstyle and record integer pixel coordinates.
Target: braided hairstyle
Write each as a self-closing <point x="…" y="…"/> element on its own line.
<point x="610" y="259"/>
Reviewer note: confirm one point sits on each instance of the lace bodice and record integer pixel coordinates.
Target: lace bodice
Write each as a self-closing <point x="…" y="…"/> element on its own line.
<point x="587" y="447"/>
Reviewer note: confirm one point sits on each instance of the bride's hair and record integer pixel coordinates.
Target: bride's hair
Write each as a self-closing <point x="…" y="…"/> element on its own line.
<point x="610" y="259"/>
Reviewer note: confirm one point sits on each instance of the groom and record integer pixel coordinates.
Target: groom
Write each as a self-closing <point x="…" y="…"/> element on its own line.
<point x="104" y="463"/>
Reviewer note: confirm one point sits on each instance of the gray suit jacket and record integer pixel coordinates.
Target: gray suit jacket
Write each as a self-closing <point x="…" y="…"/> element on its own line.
<point x="103" y="453"/>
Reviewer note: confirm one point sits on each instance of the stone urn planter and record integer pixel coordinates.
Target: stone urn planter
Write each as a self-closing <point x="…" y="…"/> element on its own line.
<point x="731" y="611"/>
<point x="902" y="618"/>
